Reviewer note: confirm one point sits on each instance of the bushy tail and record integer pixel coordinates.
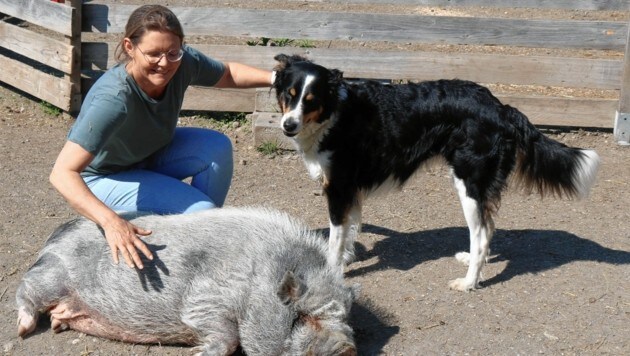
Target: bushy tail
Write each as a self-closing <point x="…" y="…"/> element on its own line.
<point x="548" y="166"/>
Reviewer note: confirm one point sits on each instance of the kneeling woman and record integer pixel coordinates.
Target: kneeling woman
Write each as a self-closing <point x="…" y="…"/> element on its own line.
<point x="125" y="151"/>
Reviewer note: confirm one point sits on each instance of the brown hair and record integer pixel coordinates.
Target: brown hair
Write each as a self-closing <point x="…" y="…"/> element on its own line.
<point x="148" y="18"/>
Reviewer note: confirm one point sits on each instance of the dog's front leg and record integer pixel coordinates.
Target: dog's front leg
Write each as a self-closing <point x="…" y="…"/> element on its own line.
<point x="345" y="225"/>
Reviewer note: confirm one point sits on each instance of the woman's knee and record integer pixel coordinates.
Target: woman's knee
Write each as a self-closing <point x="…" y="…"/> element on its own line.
<point x="213" y="146"/>
<point x="222" y="146"/>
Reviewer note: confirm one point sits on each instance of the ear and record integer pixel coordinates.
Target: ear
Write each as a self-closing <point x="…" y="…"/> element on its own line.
<point x="285" y="61"/>
<point x="127" y="46"/>
<point x="336" y="76"/>
<point x="282" y="58"/>
<point x="290" y="289"/>
<point x="332" y="310"/>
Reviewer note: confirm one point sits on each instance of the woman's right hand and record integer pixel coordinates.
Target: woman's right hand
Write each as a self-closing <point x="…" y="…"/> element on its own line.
<point x="123" y="236"/>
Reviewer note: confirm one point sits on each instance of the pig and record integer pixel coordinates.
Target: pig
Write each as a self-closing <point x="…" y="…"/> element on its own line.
<point x="219" y="278"/>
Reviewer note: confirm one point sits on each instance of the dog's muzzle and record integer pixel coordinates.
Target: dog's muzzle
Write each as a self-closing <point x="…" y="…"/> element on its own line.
<point x="290" y="126"/>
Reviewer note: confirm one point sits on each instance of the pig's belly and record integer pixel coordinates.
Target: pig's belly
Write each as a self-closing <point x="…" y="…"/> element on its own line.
<point x="75" y="315"/>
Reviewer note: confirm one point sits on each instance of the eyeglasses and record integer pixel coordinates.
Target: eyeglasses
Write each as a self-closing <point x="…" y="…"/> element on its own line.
<point x="155" y="58"/>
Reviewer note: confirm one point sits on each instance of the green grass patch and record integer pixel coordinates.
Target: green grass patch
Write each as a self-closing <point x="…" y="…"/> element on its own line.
<point x="50" y="109"/>
<point x="269" y="148"/>
<point x="280" y="42"/>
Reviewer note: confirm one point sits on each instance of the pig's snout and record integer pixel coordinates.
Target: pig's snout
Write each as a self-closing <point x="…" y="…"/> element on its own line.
<point x="350" y="350"/>
<point x="334" y="343"/>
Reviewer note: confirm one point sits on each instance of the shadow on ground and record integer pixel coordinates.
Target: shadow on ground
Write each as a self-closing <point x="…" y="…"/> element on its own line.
<point x="526" y="251"/>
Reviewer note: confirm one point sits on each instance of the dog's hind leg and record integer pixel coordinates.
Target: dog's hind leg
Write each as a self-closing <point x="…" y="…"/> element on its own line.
<point x="481" y="231"/>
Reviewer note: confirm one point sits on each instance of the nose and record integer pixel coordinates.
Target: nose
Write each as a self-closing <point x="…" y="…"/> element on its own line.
<point x="162" y="58"/>
<point x="290" y="126"/>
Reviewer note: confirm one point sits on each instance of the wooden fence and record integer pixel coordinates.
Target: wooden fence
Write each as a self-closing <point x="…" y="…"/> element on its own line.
<point x="354" y="33"/>
<point x="42" y="58"/>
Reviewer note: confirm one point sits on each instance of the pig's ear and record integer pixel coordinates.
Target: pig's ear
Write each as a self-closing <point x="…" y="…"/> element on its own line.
<point x="291" y="288"/>
<point x="332" y="310"/>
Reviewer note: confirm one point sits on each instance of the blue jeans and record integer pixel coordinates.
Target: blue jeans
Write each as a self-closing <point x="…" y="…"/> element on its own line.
<point x="156" y="185"/>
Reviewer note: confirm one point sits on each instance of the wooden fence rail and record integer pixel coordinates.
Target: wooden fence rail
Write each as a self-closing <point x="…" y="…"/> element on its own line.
<point x="607" y="73"/>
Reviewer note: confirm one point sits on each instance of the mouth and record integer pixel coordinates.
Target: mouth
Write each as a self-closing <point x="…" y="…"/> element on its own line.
<point x="159" y="71"/>
<point x="289" y="134"/>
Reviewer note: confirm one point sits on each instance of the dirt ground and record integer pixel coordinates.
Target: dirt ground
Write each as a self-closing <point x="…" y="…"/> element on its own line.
<point x="558" y="281"/>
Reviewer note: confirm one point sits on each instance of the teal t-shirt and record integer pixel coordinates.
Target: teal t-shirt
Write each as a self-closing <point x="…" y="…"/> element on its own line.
<point x="121" y="126"/>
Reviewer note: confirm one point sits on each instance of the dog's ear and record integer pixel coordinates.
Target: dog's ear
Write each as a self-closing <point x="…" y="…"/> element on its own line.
<point x="282" y="58"/>
<point x="285" y="61"/>
<point x="336" y="76"/>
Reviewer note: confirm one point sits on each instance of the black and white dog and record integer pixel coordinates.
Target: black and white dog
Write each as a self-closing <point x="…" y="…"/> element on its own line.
<point x="356" y="138"/>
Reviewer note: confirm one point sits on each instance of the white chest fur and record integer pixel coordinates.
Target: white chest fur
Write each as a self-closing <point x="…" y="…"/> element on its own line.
<point x="317" y="164"/>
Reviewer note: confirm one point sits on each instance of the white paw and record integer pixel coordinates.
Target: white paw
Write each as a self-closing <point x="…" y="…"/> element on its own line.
<point x="461" y="284"/>
<point x="335" y="261"/>
<point x="348" y="257"/>
<point x="463" y="257"/>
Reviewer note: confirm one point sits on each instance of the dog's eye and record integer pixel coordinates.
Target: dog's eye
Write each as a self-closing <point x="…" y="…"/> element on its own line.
<point x="292" y="92"/>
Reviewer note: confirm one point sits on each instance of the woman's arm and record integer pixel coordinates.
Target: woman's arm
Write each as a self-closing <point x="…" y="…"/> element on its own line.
<point x="121" y="235"/>
<point x="239" y="75"/>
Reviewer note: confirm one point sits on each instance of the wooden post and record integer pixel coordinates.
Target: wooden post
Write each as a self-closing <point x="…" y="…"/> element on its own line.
<point x="622" y="120"/>
<point x="75" y="41"/>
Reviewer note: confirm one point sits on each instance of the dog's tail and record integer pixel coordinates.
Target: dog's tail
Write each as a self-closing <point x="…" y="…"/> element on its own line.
<point x="548" y="166"/>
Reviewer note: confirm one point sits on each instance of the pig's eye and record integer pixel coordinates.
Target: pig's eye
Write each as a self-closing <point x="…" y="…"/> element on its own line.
<point x="298" y="319"/>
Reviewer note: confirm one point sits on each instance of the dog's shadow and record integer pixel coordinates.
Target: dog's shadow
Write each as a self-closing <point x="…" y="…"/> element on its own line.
<point x="526" y="251"/>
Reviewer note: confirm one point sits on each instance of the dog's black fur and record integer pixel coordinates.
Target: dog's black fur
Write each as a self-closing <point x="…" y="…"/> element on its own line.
<point x="357" y="136"/>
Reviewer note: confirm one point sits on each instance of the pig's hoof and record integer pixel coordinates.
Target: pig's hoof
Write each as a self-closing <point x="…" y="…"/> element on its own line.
<point x="215" y="348"/>
<point x="57" y="325"/>
<point x="26" y="322"/>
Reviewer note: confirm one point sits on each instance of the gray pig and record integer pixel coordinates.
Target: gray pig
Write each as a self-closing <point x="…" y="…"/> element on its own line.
<point x="218" y="278"/>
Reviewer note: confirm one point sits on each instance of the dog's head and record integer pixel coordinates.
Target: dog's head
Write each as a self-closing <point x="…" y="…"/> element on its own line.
<point x="307" y="93"/>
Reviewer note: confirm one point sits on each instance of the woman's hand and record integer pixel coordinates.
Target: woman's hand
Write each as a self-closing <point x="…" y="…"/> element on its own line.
<point x="122" y="236"/>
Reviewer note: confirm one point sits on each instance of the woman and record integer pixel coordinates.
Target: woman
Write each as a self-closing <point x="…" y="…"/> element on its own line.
<point x="125" y="153"/>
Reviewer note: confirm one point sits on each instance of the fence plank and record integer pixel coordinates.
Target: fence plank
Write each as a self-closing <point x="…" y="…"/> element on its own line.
<point x="45" y="13"/>
<point x="376" y="27"/>
<point x="576" y="112"/>
<point x="35" y="46"/>
<point x="55" y="90"/>
<point x="619" y="5"/>
<point x="75" y="41"/>
<point x="484" y="68"/>
<point x="621" y="125"/>
<point x="212" y="99"/>
<point x="624" y="100"/>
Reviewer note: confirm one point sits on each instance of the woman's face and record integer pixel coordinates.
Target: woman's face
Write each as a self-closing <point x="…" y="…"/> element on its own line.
<point x="153" y="77"/>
